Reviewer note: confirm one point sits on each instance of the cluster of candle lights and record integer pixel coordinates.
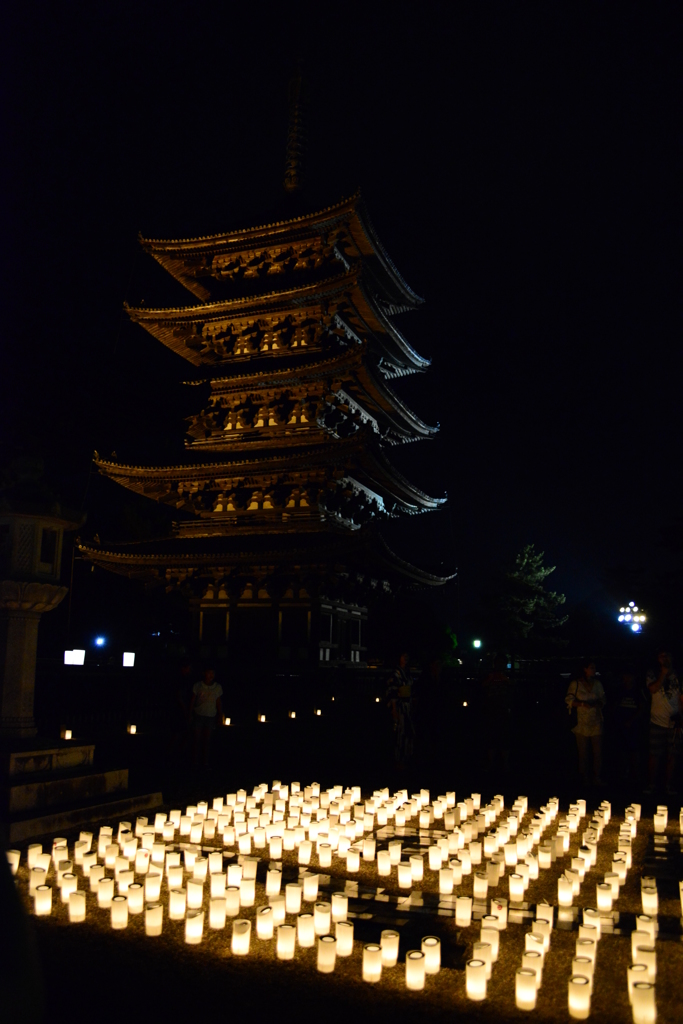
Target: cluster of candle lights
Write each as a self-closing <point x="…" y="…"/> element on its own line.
<point x="125" y="874"/>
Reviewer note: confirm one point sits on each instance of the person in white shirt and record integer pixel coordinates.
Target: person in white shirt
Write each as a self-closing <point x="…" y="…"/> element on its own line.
<point x="666" y="712"/>
<point x="206" y="711"/>
<point x="586" y="694"/>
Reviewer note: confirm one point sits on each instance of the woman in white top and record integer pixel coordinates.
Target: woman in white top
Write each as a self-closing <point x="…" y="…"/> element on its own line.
<point x="586" y="694"/>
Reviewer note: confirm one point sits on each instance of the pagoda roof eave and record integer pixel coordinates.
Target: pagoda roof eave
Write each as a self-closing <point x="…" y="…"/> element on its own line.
<point x="169" y="252"/>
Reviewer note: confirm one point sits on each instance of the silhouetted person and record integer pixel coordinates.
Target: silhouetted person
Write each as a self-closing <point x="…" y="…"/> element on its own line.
<point x="400" y="699"/>
<point x="627" y="724"/>
<point x="207" y="712"/>
<point x="666" y="712"/>
<point x="586" y="694"/>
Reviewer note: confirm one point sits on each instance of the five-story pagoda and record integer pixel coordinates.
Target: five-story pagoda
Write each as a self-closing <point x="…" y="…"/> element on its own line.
<point x="287" y="477"/>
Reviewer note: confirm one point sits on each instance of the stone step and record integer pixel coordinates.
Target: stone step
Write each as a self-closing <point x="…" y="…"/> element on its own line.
<point x="60" y="821"/>
<point x="46" y="791"/>
<point x="50" y="758"/>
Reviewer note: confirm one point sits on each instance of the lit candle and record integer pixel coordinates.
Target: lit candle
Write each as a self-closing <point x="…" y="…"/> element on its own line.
<point x="480" y="885"/>
<point x="534" y="940"/>
<point x="76" y="906"/>
<point x="310" y="882"/>
<point x="64" y="867"/>
<point x="232" y="900"/>
<point x="105" y="892"/>
<point x="643" y="1003"/>
<point x="384" y="863"/>
<point x="325" y="855"/>
<point x="305" y="930"/>
<point x="278" y="906"/>
<point x="124" y="880"/>
<point x="217" y="912"/>
<point x="241" y="936"/>
<point x="344" y="934"/>
<point x="247" y="892"/>
<point x="353" y="861"/>
<point x="565" y="891"/>
<point x="647" y="955"/>
<point x="660" y="819"/>
<point x="650" y="901"/>
<point x="305" y="849"/>
<point x="489" y="933"/>
<point x="475" y="980"/>
<point x="369" y="847"/>
<point x="532" y="960"/>
<point x="96" y="874"/>
<point x="273" y="881"/>
<point x="110" y="854"/>
<point x="394" y="848"/>
<point x="152" y="886"/>
<point x="591" y="916"/>
<point x="42" y="900"/>
<point x="372" y="962"/>
<point x="405" y="875"/>
<point x="586" y="947"/>
<point x="579" y="997"/>
<point x="177" y="903"/>
<point x="34" y="851"/>
<point x="525" y="988"/>
<point x="275" y="847"/>
<point x="194" y="927"/>
<point x="584" y="965"/>
<point x="327" y="953"/>
<point x="647" y="924"/>
<point x="37" y="876"/>
<point x="482" y="951"/>
<point x="634" y="973"/>
<point x="286" y="939"/>
<point x="446" y="881"/>
<point x="516" y="882"/>
<point x="154" y="919"/>
<point x="431" y="947"/>
<point x="264" y="923"/>
<point x="463" y="911"/>
<point x="119" y="911"/>
<point x="415" y="970"/>
<point x="322" y="918"/>
<point x="389" y="940"/>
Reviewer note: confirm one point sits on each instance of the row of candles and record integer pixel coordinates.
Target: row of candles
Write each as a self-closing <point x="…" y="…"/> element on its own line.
<point x="266" y="817"/>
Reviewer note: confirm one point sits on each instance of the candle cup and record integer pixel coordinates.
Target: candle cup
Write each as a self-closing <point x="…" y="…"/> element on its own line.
<point x="526" y="989"/>
<point x="152" y="886"/>
<point x="177" y="904"/>
<point x="340" y="906"/>
<point x="273" y="882"/>
<point x="199" y="869"/>
<point x="76" y="906"/>
<point x="480" y="885"/>
<point x="105" y="892"/>
<point x="264" y="923"/>
<point x="405" y="875"/>
<point x="344" y="935"/>
<point x="325" y="855"/>
<point x="516" y="883"/>
<point x="639" y="938"/>
<point x="372" y="962"/>
<point x="446" y="881"/>
<point x="217" y="912"/>
<point x="585" y="966"/>
<point x="578" y="997"/>
<point x="643" y="1003"/>
<point x="278" y="907"/>
<point x="322" y="915"/>
<point x="305" y="849"/>
<point x="174" y="877"/>
<point x="136" y="898"/>
<point x="463" y="911"/>
<point x="645" y="923"/>
<point x="327" y="953"/>
<point x="475" y="980"/>
<point x="305" y="930"/>
<point x="194" y="927"/>
<point x="241" y="936"/>
<point x="234" y="876"/>
<point x="247" y="892"/>
<point x="482" y="951"/>
<point x="431" y="947"/>
<point x="37" y="876"/>
<point x="286" y="940"/>
<point x="42" y="900"/>
<point x="118" y="912"/>
<point x="389" y="941"/>
<point x="310" y="883"/>
<point x="634" y="973"/>
<point x="647" y="955"/>
<point x="534" y="940"/>
<point x="415" y="970"/>
<point x="532" y="960"/>
<point x="650" y="901"/>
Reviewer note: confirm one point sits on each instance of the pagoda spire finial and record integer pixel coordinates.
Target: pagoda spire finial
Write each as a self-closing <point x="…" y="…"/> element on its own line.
<point x="294" y="158"/>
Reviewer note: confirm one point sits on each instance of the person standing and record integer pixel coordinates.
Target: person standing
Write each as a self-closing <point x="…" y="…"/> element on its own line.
<point x="586" y="694"/>
<point x="400" y="699"/>
<point x="206" y="710"/>
<point x="666" y="714"/>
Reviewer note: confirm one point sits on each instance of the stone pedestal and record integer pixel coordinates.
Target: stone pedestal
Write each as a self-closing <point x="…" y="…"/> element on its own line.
<point x="21" y="605"/>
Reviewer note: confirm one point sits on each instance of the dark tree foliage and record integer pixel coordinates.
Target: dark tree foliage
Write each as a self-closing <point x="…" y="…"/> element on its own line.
<point x="522" y="614"/>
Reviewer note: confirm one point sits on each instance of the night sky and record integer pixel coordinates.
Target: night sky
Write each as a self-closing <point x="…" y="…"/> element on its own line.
<point x="521" y="163"/>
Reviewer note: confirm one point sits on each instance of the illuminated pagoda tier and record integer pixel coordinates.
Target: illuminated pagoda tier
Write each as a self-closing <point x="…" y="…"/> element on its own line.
<point x="287" y="477"/>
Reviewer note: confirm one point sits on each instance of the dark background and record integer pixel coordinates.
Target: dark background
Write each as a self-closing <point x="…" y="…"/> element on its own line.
<point x="521" y="163"/>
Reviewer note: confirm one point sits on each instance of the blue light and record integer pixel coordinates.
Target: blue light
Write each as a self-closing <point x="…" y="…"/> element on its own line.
<point x="100" y="641"/>
<point x="636" y="627"/>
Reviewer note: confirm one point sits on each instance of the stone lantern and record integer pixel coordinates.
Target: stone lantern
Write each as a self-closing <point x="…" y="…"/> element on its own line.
<point x="30" y="563"/>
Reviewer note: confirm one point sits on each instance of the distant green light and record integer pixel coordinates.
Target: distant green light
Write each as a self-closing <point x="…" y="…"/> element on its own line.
<point x="476" y="643"/>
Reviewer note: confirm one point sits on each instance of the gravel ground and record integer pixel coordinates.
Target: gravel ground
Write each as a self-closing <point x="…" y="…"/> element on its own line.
<point x="88" y="968"/>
